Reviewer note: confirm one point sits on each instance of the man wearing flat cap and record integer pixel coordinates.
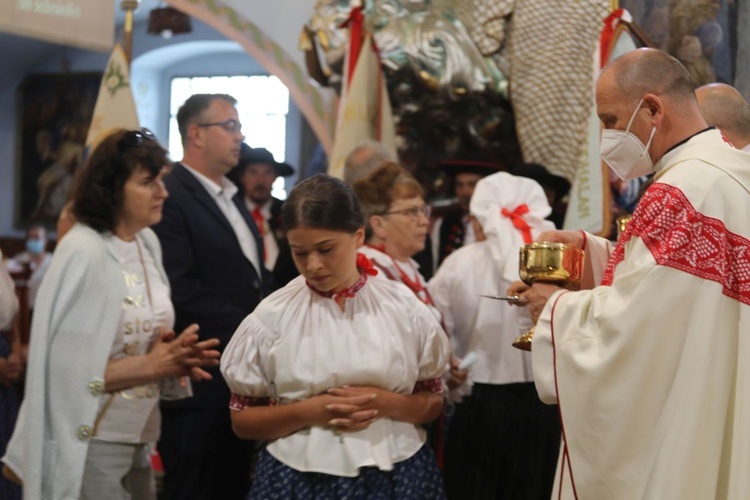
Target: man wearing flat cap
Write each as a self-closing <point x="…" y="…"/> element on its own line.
<point x="454" y="229"/>
<point x="257" y="170"/>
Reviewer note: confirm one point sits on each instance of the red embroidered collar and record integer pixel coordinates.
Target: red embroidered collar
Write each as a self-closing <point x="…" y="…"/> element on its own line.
<point x="365" y="269"/>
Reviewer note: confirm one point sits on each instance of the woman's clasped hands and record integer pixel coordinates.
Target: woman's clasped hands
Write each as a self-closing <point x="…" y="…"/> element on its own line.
<point x="351" y="408"/>
<point x="183" y="354"/>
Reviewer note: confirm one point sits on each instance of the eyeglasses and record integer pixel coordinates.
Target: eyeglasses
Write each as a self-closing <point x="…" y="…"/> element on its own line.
<point x="232" y="126"/>
<point x="412" y="212"/>
<point x="135" y="138"/>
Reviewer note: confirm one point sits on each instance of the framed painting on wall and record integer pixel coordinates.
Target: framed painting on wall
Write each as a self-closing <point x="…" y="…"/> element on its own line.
<point x="702" y="34"/>
<point x="54" y="113"/>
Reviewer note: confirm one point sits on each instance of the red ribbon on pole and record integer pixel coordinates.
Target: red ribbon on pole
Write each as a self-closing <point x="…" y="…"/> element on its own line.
<point x="516" y="217"/>
<point x="355" y="23"/>
<point x="608" y="35"/>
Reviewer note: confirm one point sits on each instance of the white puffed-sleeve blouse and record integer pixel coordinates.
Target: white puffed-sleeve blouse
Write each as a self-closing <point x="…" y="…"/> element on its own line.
<point x="299" y="343"/>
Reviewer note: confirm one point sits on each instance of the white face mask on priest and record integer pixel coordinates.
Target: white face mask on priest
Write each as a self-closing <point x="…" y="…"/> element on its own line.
<point x="624" y="152"/>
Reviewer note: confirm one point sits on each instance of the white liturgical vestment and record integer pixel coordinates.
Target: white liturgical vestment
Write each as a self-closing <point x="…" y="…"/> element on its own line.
<point x="652" y="368"/>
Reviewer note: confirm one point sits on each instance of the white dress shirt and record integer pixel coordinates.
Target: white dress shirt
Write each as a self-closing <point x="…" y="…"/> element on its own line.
<point x="222" y="195"/>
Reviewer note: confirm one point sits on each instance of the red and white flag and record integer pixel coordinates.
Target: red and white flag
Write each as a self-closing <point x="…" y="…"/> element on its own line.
<point x="590" y="202"/>
<point x="364" y="107"/>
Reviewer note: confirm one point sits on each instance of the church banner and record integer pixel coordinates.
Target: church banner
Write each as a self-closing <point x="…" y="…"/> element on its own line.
<point x="89" y="24"/>
<point x="115" y="107"/>
<point x="365" y="108"/>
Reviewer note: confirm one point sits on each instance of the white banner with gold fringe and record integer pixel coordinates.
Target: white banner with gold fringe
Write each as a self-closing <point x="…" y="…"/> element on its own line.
<point x="115" y="106"/>
<point x="590" y="204"/>
<point x="364" y="108"/>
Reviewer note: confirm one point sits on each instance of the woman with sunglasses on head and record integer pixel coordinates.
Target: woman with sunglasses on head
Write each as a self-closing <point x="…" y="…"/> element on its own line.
<point x="101" y="340"/>
<point x="337" y="370"/>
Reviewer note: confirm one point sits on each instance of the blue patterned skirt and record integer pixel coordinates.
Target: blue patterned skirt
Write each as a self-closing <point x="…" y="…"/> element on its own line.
<point x="416" y="478"/>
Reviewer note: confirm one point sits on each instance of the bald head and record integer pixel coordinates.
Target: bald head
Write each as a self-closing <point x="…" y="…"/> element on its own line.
<point x="653" y="92"/>
<point x="651" y="71"/>
<point x="724" y="107"/>
<point x="364" y="158"/>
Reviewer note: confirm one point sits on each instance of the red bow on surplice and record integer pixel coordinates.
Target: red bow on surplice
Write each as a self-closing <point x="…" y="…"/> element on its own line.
<point x="516" y="217"/>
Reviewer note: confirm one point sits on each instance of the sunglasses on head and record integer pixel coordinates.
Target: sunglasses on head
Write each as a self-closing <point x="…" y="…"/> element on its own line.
<point x="135" y="138"/>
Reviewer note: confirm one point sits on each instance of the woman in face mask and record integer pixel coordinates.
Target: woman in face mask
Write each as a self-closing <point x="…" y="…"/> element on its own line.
<point x="35" y="258"/>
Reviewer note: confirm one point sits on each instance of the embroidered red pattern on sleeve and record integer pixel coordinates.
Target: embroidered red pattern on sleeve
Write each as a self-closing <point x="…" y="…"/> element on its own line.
<point x="429" y="385"/>
<point x="239" y="403"/>
<point x="680" y="237"/>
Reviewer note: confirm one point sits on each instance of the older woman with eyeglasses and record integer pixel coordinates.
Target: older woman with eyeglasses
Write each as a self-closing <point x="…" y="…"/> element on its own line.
<point x="397" y="222"/>
<point x="102" y="340"/>
<point x="396" y="225"/>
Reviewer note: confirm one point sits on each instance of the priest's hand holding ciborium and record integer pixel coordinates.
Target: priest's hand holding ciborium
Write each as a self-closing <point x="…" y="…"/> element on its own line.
<point x="555" y="263"/>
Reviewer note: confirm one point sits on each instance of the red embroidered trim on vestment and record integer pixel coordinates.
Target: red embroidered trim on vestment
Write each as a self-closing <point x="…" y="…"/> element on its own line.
<point x="566" y="456"/>
<point x="680" y="237"/>
<point x="430" y="385"/>
<point x="239" y="403"/>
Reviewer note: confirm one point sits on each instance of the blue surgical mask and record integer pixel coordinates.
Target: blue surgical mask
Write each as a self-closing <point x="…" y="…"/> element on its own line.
<point x="35" y="247"/>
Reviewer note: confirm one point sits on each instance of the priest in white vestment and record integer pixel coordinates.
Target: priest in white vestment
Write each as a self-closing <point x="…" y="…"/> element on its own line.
<point x="651" y="369"/>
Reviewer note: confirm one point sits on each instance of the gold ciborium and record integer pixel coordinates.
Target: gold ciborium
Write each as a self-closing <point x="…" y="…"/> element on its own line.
<point x="548" y="263"/>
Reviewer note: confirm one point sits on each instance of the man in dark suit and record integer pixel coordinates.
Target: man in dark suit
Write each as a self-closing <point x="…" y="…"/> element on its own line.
<point x="257" y="170"/>
<point x="213" y="255"/>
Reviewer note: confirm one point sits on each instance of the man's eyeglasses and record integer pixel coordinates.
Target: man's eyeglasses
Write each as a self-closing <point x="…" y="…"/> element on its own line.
<point x="412" y="212"/>
<point x="134" y="138"/>
<point x="232" y="126"/>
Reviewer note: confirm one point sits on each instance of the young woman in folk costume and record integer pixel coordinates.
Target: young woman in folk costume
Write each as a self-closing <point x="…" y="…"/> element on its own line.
<point x="397" y="223"/>
<point x="337" y="370"/>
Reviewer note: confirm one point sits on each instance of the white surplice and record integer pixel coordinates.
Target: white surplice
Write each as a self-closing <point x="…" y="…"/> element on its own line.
<point x="652" y="369"/>
<point x="483" y="325"/>
<point x="297" y="344"/>
<point x="478" y="324"/>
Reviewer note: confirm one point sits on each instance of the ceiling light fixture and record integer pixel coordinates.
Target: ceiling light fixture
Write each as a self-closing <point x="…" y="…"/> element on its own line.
<point x="168" y="21"/>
